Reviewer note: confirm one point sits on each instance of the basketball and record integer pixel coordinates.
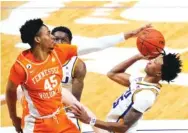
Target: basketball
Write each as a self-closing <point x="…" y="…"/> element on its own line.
<point x="150" y="43"/>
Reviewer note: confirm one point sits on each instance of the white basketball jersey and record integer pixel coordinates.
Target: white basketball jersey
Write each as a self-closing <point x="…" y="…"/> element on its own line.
<point x="68" y="71"/>
<point x="123" y="104"/>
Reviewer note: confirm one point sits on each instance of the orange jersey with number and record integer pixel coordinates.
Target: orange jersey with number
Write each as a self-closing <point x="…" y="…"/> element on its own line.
<point x="41" y="81"/>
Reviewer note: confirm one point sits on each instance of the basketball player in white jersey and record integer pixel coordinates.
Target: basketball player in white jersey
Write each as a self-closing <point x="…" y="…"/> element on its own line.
<point x="74" y="70"/>
<point x="129" y="108"/>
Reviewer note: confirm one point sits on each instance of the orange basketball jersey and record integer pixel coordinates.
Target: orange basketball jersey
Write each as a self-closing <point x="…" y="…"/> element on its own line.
<point x="42" y="84"/>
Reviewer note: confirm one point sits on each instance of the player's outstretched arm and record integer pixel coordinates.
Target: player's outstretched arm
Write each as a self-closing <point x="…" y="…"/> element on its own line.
<point x="118" y="73"/>
<point x="83" y="116"/>
<point x="78" y="78"/>
<point x="109" y="41"/>
<point x="143" y="100"/>
<point x="136" y="32"/>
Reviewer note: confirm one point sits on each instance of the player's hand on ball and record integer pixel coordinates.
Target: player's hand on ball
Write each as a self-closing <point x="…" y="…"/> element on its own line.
<point x="148" y="57"/>
<point x="139" y="30"/>
<point x="135" y="33"/>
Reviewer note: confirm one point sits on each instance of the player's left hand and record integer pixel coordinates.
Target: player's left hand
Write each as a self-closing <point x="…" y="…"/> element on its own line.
<point x="80" y="113"/>
<point x="135" y="33"/>
<point x="148" y="57"/>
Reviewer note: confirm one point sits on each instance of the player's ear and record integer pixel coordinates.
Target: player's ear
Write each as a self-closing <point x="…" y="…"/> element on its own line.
<point x="37" y="39"/>
<point x="158" y="74"/>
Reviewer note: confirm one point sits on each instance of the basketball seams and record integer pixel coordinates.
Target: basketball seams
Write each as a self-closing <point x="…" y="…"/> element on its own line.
<point x="150" y="41"/>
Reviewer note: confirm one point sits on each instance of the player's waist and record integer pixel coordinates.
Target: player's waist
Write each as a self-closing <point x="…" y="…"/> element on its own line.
<point x="60" y="110"/>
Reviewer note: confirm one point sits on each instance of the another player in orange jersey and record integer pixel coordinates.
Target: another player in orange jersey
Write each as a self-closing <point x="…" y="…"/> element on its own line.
<point x="39" y="71"/>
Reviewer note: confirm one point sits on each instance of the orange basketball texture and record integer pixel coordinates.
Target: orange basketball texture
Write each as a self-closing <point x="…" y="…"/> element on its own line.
<point x="150" y="43"/>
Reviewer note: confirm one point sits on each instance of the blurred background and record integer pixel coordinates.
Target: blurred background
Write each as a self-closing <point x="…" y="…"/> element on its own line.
<point x="92" y="19"/>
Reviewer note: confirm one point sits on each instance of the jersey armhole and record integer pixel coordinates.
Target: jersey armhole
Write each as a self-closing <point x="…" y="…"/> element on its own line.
<point x="73" y="68"/>
<point x="24" y="71"/>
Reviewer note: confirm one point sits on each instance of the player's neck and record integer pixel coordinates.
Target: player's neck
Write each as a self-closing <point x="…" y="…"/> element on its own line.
<point x="39" y="54"/>
<point x="151" y="79"/>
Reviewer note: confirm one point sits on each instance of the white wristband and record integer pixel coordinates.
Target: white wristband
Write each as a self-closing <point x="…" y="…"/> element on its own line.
<point x="92" y="121"/>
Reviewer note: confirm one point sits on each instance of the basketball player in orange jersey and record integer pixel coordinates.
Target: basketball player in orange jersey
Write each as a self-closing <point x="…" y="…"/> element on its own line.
<point x="39" y="71"/>
<point x="129" y="108"/>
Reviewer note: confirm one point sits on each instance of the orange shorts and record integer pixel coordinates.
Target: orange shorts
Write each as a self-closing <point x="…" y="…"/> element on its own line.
<point x="59" y="124"/>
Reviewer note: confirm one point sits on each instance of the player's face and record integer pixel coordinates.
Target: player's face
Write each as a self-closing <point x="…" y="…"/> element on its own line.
<point x="61" y="38"/>
<point x="153" y="68"/>
<point x="46" y="40"/>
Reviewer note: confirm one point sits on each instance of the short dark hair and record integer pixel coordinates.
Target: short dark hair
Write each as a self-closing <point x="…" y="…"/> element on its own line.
<point x="29" y="30"/>
<point x="171" y="66"/>
<point x="63" y="29"/>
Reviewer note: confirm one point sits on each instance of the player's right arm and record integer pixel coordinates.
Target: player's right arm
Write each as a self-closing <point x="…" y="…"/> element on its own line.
<point x="79" y="73"/>
<point x="143" y="100"/>
<point x="118" y="73"/>
<point x="108" y="41"/>
<point x="16" y="77"/>
<point x="66" y="52"/>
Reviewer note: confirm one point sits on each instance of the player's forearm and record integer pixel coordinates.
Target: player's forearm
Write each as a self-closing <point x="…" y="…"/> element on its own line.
<point x="77" y="88"/>
<point x="111" y="126"/>
<point x="101" y="43"/>
<point x="67" y="97"/>
<point x="11" y="99"/>
<point x="120" y="68"/>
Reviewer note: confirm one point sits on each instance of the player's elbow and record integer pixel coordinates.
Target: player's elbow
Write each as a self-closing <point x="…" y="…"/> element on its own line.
<point x="119" y="129"/>
<point x="110" y="75"/>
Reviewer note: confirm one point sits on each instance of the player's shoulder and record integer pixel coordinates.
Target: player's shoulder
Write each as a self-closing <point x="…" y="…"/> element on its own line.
<point x="80" y="68"/>
<point x="64" y="46"/>
<point x="20" y="58"/>
<point x="145" y="96"/>
<point x="80" y="62"/>
<point x="24" y="54"/>
<point x="143" y="100"/>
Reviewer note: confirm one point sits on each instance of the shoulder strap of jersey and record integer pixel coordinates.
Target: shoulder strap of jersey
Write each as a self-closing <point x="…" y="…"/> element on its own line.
<point x="24" y="64"/>
<point x="75" y="58"/>
<point x="56" y="56"/>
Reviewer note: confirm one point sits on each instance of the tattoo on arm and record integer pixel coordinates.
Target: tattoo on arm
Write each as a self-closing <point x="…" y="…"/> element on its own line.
<point x="131" y="117"/>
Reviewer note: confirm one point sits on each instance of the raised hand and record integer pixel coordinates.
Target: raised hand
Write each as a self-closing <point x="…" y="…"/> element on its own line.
<point x="136" y="32"/>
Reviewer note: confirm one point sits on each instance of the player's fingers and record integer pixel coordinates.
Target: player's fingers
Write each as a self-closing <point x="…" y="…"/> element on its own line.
<point x="155" y="53"/>
<point x="149" y="25"/>
<point x="76" y="110"/>
<point x="146" y="57"/>
<point x="77" y="106"/>
<point x="76" y="113"/>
